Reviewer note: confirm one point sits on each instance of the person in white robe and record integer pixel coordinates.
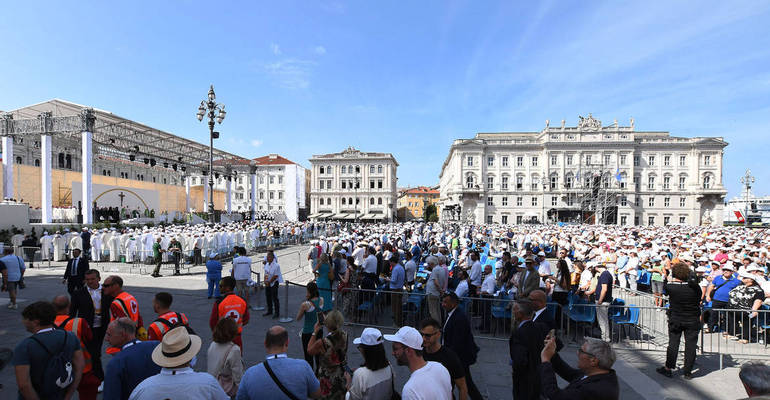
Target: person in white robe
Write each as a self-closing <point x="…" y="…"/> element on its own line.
<point x="46" y="245"/>
<point x="59" y="246"/>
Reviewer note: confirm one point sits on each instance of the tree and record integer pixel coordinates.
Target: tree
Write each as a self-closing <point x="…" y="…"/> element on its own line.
<point x="430" y="213"/>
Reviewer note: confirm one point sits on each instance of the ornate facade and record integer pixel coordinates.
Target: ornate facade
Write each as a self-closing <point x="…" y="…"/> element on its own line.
<point x="589" y="173"/>
<point x="353" y="185"/>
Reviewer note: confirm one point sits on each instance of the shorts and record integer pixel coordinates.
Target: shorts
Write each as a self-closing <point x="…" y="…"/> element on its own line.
<point x="241" y="287"/>
<point x="13" y="287"/>
<point x="657" y="286"/>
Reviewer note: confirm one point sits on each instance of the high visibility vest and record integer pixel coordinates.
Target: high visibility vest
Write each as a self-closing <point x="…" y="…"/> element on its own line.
<point x="128" y="304"/>
<point x="75" y="325"/>
<point x="233" y="307"/>
<point x="164" y="322"/>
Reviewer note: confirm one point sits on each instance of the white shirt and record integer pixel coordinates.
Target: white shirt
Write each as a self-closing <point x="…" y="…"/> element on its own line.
<point x="370" y="385"/>
<point x="489" y="284"/>
<point x="439" y="387"/>
<point x="544" y="268"/>
<point x="358" y="256"/>
<point x="476" y="274"/>
<point x="411" y="270"/>
<point x="241" y="268"/>
<point x="96" y="298"/>
<point x="272" y="269"/>
<point x="370" y="264"/>
<point x="462" y="288"/>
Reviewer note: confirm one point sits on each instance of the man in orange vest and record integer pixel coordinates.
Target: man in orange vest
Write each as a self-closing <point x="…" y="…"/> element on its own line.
<point x="230" y="306"/>
<point x="89" y="383"/>
<point x="124" y="305"/>
<point x="166" y="318"/>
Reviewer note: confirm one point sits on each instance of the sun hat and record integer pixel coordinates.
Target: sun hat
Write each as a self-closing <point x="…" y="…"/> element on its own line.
<point x="408" y="336"/>
<point x="369" y="337"/>
<point x="176" y="348"/>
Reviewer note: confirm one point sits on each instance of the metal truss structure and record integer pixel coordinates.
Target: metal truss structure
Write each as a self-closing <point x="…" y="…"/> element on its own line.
<point x="114" y="136"/>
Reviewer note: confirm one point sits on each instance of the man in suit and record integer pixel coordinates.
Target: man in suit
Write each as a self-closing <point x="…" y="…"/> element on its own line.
<point x="93" y="306"/>
<point x="457" y="336"/>
<point x="529" y="278"/>
<point x="86" y="236"/>
<point x="525" y="345"/>
<point x="538" y="299"/>
<point x="75" y="273"/>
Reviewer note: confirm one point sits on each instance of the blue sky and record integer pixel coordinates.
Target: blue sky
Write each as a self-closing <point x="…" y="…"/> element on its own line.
<point x="312" y="77"/>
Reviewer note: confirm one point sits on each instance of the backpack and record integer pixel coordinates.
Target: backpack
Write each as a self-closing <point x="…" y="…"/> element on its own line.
<point x="179" y="322"/>
<point x="58" y="371"/>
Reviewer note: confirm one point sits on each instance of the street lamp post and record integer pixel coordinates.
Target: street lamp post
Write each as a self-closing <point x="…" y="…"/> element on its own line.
<point x="747" y="180"/>
<point x="214" y="110"/>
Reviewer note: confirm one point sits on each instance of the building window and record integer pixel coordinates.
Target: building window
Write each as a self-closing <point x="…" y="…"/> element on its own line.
<point x="651" y="161"/>
<point x="18" y="160"/>
<point x="666" y="161"/>
<point x="344" y="184"/>
<point x="271" y="180"/>
<point x="682" y="220"/>
<point x="519" y="182"/>
<point x="329" y="201"/>
<point x="682" y="161"/>
<point x="490" y="201"/>
<point x="505" y="183"/>
<point x="371" y="201"/>
<point x="504" y="201"/>
<point x="636" y="161"/>
<point x="329" y="170"/>
<point x="504" y="161"/>
<point x="638" y="201"/>
<point x="379" y="183"/>
<point x="490" y="182"/>
<point x="68" y="161"/>
<point x="682" y="202"/>
<point x="519" y="161"/>
<point x="623" y="220"/>
<point x="320" y="201"/>
<point x="280" y="179"/>
<point x="272" y="195"/>
<point x="534" y="201"/>
<point x="588" y="159"/>
<point x="651" y="182"/>
<point x="328" y="183"/>
<point x="320" y="171"/>
<point x="534" y="161"/>
<point x="469" y="181"/>
<point x="371" y="169"/>
<point x="666" y="202"/>
<point x="651" y="220"/>
<point x="61" y="160"/>
<point x="519" y="219"/>
<point x="666" y="220"/>
<point x="519" y="201"/>
<point x="623" y="201"/>
<point x="342" y="169"/>
<point x="379" y="169"/>
<point x="569" y="159"/>
<point x="554" y="182"/>
<point x="666" y="182"/>
<point x="504" y="219"/>
<point x="489" y="219"/>
<point x="706" y="160"/>
<point x="554" y="201"/>
<point x="553" y="160"/>
<point x="261" y="180"/>
<point x="321" y="184"/>
<point x="379" y="201"/>
<point x="470" y="161"/>
<point x="280" y="195"/>
<point x="651" y="201"/>
<point x="606" y="160"/>
<point x="570" y="200"/>
<point x="682" y="182"/>
<point x="707" y="182"/>
<point x="371" y="183"/>
<point x="490" y="161"/>
<point x="358" y="169"/>
<point x="623" y="160"/>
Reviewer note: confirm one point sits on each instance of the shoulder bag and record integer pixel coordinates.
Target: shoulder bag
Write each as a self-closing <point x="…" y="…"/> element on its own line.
<point x="226" y="380"/>
<point x="277" y="382"/>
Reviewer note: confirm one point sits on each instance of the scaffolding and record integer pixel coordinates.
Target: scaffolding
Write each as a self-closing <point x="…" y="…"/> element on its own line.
<point x="598" y="195"/>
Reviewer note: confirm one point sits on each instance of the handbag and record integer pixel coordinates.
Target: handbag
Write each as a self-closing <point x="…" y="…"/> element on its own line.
<point x="394" y="395"/>
<point x="226" y="381"/>
<point x="277" y="382"/>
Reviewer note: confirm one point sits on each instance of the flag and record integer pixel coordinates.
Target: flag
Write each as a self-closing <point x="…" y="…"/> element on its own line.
<point x="617" y="175"/>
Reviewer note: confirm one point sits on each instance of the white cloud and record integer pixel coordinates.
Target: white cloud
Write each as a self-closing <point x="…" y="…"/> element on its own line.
<point x="320" y="50"/>
<point x="291" y="73"/>
<point x="256" y="143"/>
<point x="275" y="48"/>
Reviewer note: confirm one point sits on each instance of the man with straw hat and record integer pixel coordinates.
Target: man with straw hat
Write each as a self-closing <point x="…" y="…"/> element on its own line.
<point x="174" y="354"/>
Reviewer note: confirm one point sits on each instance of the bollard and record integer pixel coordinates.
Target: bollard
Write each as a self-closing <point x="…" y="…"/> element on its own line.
<point x="257" y="307"/>
<point x="286" y="318"/>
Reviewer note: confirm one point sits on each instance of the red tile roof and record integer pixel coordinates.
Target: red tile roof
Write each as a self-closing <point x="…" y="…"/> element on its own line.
<point x="420" y="190"/>
<point x="273" y="159"/>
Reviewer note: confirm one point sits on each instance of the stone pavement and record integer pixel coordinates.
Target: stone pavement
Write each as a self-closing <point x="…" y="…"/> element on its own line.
<point x="491" y="373"/>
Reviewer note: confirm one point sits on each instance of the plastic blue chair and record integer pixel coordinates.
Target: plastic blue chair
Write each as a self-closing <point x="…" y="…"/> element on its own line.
<point x="617" y="309"/>
<point x="643" y="278"/>
<point x="629" y="318"/>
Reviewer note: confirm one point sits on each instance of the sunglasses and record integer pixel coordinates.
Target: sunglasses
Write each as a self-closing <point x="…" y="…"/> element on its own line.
<point x="427" y="335"/>
<point x="107" y="284"/>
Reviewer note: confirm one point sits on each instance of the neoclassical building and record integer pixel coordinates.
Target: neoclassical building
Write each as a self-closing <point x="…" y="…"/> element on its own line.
<point x="353" y="185"/>
<point x="589" y="173"/>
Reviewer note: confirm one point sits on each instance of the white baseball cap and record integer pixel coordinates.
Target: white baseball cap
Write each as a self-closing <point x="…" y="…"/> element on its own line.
<point x="369" y="337"/>
<point x="407" y="336"/>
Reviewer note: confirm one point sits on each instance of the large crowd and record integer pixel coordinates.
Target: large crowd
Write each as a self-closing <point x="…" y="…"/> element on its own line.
<point x="710" y="278"/>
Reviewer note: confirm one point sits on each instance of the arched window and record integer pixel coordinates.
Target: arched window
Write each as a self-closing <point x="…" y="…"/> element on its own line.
<point x="371" y="201"/>
<point x="343" y="201"/>
<point x="379" y="201"/>
<point x="469" y="181"/>
<point x="321" y="201"/>
<point x="329" y="200"/>
<point x="37" y="162"/>
<point x="68" y="161"/>
<point x="379" y="169"/>
<point x="18" y="160"/>
<point x="568" y="181"/>
<point x="350" y="201"/>
<point x="554" y="181"/>
<point x="707" y="181"/>
<point x="342" y="169"/>
<point x="61" y="160"/>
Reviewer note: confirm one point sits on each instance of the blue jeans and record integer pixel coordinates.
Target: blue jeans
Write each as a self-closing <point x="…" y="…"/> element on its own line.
<point x="213" y="282"/>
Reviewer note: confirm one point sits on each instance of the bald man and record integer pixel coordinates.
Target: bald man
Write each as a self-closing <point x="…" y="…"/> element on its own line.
<point x="539" y="299"/>
<point x="295" y="374"/>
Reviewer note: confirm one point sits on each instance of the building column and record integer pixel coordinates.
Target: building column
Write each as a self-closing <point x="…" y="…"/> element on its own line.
<point x="229" y="195"/>
<point x="87" y="157"/>
<point x="205" y="193"/>
<point x="7" y="167"/>
<point x="186" y="193"/>
<point x="253" y="189"/>
<point x="45" y="179"/>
